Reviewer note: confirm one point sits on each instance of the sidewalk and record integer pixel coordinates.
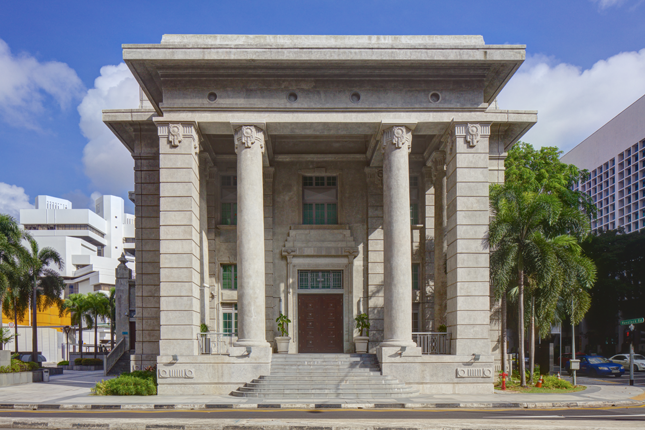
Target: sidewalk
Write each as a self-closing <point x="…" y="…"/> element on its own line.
<point x="72" y="391"/>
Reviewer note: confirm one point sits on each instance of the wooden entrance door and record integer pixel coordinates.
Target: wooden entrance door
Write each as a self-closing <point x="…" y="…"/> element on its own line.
<point x="320" y="323"/>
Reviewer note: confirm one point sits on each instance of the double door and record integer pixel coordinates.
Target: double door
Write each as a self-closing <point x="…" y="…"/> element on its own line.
<point x="320" y="323"/>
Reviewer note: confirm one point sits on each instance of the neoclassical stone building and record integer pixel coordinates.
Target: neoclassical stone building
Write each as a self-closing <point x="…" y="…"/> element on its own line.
<point x="324" y="177"/>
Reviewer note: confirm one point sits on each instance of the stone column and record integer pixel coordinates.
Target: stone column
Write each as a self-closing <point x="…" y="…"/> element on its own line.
<point x="438" y="162"/>
<point x="373" y="301"/>
<point x="397" y="330"/>
<point x="146" y="222"/>
<point x="249" y="147"/>
<point x="467" y="181"/>
<point x="428" y="290"/>
<point x="179" y="239"/>
<point x="204" y="293"/>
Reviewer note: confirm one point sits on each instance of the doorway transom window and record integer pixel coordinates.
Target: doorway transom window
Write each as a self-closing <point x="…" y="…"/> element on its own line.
<point x="319" y="200"/>
<point x="320" y="279"/>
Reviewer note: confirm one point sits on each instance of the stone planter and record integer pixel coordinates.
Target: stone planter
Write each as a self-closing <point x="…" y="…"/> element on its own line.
<point x="360" y="342"/>
<point x="87" y="368"/>
<point x="5" y="357"/>
<point x="20" y="378"/>
<point x="283" y="344"/>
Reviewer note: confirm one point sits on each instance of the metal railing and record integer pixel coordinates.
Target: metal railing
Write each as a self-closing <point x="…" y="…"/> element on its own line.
<point x="215" y="343"/>
<point x="114" y="355"/>
<point x="432" y="342"/>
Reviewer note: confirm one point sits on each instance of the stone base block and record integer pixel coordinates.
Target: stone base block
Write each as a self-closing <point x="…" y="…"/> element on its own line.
<point x="439" y="374"/>
<point x="211" y="374"/>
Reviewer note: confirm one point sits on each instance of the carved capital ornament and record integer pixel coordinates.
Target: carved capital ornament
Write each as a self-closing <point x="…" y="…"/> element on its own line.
<point x="246" y="136"/>
<point x="399" y="136"/>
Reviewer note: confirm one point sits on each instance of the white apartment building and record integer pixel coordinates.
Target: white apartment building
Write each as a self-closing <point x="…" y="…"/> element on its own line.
<point x="615" y="157"/>
<point x="89" y="242"/>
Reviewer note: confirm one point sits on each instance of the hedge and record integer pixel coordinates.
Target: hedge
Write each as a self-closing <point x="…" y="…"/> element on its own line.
<point x="137" y="383"/>
<point x="19" y="366"/>
<point x="88" y="362"/>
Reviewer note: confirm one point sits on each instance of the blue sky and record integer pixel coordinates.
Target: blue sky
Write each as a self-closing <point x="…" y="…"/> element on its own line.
<point x="586" y="63"/>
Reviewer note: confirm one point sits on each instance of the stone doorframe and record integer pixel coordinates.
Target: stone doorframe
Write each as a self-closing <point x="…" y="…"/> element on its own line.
<point x="343" y="263"/>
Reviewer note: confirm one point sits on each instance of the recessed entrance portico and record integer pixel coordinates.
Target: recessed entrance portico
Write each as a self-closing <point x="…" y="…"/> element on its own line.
<point x="322" y="187"/>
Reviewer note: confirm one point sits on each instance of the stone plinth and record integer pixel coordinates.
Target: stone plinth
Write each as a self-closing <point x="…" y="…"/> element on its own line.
<point x="439" y="374"/>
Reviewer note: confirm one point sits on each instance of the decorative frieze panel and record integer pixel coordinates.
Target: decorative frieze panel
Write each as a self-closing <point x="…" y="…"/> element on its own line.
<point x="176" y="373"/>
<point x="474" y="372"/>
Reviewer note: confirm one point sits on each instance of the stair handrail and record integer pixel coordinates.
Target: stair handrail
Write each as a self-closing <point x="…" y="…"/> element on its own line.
<point x="114" y="356"/>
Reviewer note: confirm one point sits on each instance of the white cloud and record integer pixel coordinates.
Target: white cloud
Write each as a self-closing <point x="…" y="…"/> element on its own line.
<point x="107" y="162"/>
<point x="604" y="4"/>
<point x="12" y="199"/>
<point x="573" y="103"/>
<point x="26" y="82"/>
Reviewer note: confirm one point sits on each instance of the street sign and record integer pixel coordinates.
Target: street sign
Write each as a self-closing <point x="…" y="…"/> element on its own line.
<point x="634" y="321"/>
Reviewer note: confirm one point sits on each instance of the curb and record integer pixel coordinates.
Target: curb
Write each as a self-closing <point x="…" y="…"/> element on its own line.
<point x="211" y="406"/>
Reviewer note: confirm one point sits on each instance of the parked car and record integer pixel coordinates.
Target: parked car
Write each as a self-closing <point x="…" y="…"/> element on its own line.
<point x="27" y="358"/>
<point x="639" y="361"/>
<point x="594" y="365"/>
<point x="567" y="356"/>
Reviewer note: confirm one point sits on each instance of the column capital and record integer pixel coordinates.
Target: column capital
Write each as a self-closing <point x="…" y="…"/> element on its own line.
<point x="398" y="135"/>
<point x="175" y="133"/>
<point x="472" y="132"/>
<point x="247" y="135"/>
<point x="437" y="165"/>
<point x="374" y="176"/>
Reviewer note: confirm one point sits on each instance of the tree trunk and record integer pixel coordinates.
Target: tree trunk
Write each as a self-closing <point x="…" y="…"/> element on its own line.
<point x="532" y="340"/>
<point x="504" y="337"/>
<point x="80" y="336"/>
<point x="34" y="323"/>
<point x="520" y="324"/>
<point x="96" y="320"/>
<point x="15" y="322"/>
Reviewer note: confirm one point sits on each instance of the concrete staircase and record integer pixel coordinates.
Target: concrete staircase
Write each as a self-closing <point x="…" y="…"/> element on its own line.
<point x="121" y="366"/>
<point x="325" y="376"/>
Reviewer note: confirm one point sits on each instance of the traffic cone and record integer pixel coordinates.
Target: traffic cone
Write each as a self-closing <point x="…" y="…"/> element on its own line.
<point x="558" y="375"/>
<point x="540" y="382"/>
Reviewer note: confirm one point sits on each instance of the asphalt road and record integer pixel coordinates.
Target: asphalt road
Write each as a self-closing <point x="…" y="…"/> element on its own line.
<point x="631" y="414"/>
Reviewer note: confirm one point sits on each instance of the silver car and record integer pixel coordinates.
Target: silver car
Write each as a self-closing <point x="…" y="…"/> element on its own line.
<point x="639" y="361"/>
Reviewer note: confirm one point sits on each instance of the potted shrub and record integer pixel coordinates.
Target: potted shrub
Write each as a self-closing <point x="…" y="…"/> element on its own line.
<point x="283" y="340"/>
<point x="205" y="339"/>
<point x="363" y="326"/>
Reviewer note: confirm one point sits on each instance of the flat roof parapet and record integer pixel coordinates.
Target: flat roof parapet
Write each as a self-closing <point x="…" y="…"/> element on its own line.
<point x="320" y="41"/>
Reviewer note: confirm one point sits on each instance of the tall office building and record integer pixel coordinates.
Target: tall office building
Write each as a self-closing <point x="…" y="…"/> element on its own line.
<point x="89" y="242"/>
<point x="615" y="157"/>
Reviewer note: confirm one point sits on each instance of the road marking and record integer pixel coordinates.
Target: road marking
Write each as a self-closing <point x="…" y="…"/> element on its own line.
<point x="170" y="411"/>
<point x="527" y="417"/>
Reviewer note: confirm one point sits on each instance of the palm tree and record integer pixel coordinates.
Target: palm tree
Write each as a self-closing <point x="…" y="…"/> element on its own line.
<point x="11" y="252"/>
<point x="76" y="304"/>
<point x="45" y="285"/>
<point x="16" y="301"/>
<point x="98" y="306"/>
<point x="527" y="239"/>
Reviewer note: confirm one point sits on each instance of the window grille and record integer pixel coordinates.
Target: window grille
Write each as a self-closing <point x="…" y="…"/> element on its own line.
<point x="320" y="279"/>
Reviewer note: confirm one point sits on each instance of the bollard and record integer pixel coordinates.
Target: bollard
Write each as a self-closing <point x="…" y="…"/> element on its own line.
<point x="504" y="375"/>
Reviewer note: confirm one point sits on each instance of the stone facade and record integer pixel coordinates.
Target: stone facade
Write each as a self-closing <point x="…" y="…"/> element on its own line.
<point x="353" y="168"/>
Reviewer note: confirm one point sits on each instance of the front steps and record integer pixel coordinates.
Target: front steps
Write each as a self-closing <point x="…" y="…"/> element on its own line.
<point x="325" y="376"/>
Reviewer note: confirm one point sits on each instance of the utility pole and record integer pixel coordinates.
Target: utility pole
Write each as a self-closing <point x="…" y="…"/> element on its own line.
<point x="631" y="356"/>
<point x="573" y="363"/>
